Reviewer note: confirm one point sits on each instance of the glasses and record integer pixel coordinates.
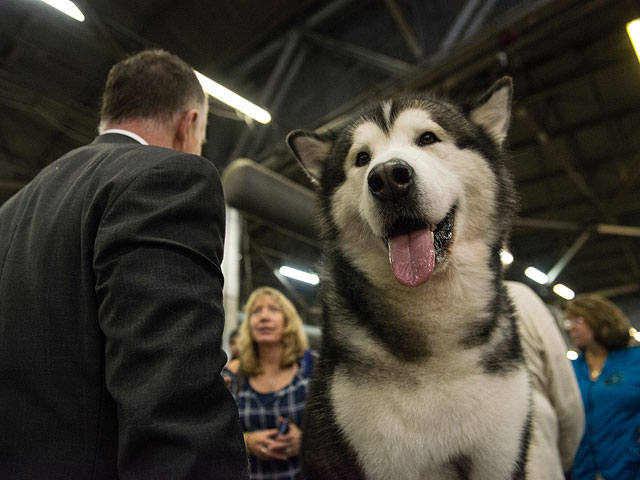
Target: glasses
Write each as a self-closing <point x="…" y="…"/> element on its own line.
<point x="573" y="321"/>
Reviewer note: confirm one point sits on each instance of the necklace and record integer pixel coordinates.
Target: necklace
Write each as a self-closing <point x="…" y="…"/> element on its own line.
<point x="595" y="365"/>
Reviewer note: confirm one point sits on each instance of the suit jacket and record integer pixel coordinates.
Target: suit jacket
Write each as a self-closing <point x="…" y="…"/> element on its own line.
<point x="111" y="320"/>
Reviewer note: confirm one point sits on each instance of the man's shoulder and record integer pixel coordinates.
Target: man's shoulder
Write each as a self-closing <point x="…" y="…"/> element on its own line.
<point x="120" y="161"/>
<point x="143" y="156"/>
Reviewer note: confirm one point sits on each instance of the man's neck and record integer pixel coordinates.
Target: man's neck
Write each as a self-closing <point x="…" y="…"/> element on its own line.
<point x="152" y="132"/>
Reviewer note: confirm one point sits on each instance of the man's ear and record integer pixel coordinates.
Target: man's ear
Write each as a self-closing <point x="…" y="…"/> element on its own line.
<point x="187" y="123"/>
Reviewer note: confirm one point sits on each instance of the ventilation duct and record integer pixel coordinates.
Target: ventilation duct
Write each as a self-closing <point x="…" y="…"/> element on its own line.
<point x="262" y="193"/>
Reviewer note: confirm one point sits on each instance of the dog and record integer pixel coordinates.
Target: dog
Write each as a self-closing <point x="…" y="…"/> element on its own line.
<point x="421" y="373"/>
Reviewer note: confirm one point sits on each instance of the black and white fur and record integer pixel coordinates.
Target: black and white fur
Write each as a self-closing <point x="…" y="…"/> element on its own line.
<point x="418" y="378"/>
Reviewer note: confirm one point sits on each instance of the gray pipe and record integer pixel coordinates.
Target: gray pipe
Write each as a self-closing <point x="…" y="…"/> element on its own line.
<point x="260" y="192"/>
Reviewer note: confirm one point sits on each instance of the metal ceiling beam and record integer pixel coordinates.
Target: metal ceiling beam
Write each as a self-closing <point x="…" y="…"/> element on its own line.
<point x="405" y="29"/>
<point x="631" y="255"/>
<point x="317" y="19"/>
<point x="448" y="67"/>
<point x="33" y="99"/>
<point x="542" y="138"/>
<point x="276" y="104"/>
<point x="479" y="18"/>
<point x="258" y="58"/>
<point x="105" y="36"/>
<point x="602" y="228"/>
<point x="622" y="230"/>
<point x="626" y="188"/>
<point x="628" y="156"/>
<point x="550" y="210"/>
<point x="459" y="24"/>
<point x="280" y="97"/>
<point x="384" y="62"/>
<point x="605" y="213"/>
<point x="618" y="290"/>
<point x="283" y="63"/>
<point x="548" y="224"/>
<point x="566" y="129"/>
<point x="553" y="273"/>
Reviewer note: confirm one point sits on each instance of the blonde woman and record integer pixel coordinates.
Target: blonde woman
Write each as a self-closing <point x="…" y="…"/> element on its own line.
<point x="608" y="373"/>
<point x="271" y="382"/>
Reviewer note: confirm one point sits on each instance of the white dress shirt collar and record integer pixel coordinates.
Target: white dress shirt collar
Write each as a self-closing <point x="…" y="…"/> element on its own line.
<point x="135" y="136"/>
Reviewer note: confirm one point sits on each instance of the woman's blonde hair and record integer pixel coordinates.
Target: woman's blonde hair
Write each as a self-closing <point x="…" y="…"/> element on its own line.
<point x="609" y="324"/>
<point x="294" y="339"/>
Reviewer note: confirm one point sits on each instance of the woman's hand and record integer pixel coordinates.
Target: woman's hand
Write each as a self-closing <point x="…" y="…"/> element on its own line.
<point x="291" y="440"/>
<point x="270" y="445"/>
<point x="262" y="445"/>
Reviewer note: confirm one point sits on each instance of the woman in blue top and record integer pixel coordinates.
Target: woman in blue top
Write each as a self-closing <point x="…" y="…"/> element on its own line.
<point x="608" y="373"/>
<point x="270" y="384"/>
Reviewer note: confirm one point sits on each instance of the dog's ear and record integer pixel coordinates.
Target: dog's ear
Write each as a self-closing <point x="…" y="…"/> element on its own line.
<point x="311" y="150"/>
<point x="493" y="110"/>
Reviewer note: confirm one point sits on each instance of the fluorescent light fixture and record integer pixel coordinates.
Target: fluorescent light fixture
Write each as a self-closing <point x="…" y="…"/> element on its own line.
<point x="233" y="99"/>
<point x="505" y="257"/>
<point x="572" y="355"/>
<point x="66" y="7"/>
<point x="536" y="275"/>
<point x="296" y="274"/>
<point x="633" y="29"/>
<point x="564" y="291"/>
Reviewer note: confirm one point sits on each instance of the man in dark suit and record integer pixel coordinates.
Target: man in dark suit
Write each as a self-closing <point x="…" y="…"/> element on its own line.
<point x="111" y="297"/>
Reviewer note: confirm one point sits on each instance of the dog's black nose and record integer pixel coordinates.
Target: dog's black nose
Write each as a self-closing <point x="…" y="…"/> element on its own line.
<point x="390" y="180"/>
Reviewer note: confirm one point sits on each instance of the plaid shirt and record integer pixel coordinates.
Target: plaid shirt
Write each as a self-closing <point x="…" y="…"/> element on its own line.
<point x="260" y="411"/>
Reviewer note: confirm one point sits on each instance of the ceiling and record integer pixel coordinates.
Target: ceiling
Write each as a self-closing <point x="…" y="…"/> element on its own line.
<point x="574" y="136"/>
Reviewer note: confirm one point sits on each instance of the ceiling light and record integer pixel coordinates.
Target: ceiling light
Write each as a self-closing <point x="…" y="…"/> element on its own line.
<point x="633" y="331"/>
<point x="536" y="275"/>
<point x="564" y="291"/>
<point x="296" y="274"/>
<point x="67" y="7"/>
<point x="506" y="257"/>
<point x="633" y="29"/>
<point x="233" y="99"/>
<point x="572" y="355"/>
<point x="636" y="337"/>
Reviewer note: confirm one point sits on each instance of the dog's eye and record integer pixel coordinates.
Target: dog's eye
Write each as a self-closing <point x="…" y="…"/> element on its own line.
<point x="427" y="138"/>
<point x="362" y="159"/>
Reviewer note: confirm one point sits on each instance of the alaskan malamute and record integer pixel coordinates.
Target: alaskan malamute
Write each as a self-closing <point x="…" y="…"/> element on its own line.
<point x="421" y="373"/>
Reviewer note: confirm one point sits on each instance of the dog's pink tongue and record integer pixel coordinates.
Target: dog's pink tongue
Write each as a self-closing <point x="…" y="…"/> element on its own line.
<point x="412" y="257"/>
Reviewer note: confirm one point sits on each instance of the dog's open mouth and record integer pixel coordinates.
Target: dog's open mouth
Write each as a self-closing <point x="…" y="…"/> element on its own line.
<point x="415" y="246"/>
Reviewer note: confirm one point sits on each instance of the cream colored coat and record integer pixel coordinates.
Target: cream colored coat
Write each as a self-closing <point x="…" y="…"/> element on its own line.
<point x="558" y="422"/>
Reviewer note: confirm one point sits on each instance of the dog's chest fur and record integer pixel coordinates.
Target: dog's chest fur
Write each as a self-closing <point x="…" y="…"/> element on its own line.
<point x="438" y="415"/>
<point x="419" y="430"/>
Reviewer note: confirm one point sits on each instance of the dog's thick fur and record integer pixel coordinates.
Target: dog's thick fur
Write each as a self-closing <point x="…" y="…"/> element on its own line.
<point x="421" y="373"/>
